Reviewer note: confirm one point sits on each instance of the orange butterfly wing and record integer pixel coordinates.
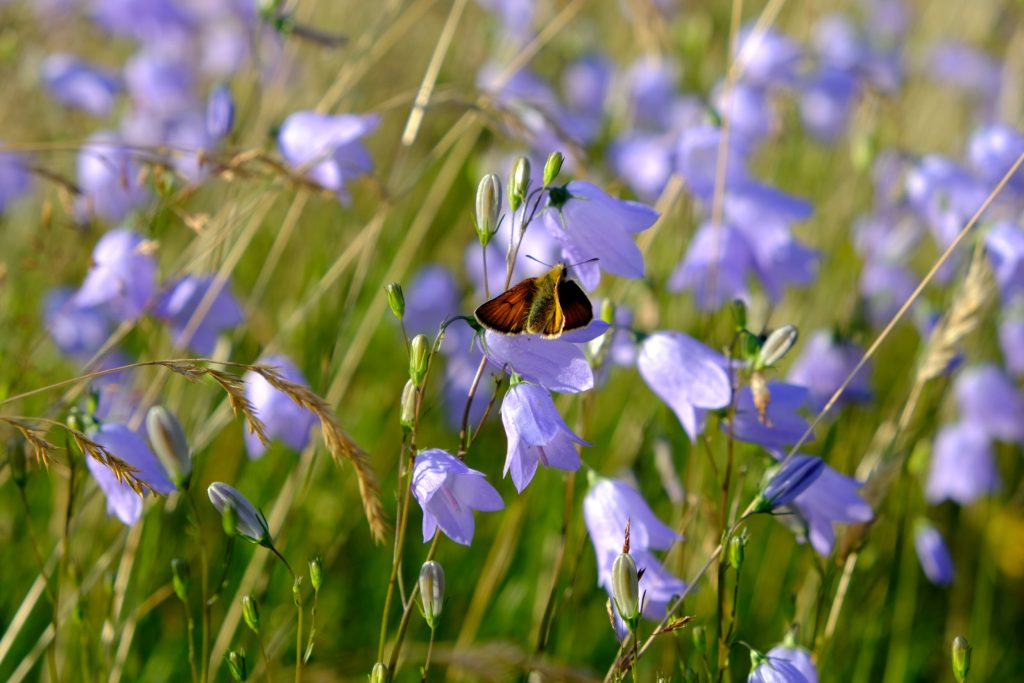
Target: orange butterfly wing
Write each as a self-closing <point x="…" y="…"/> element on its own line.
<point x="508" y="312"/>
<point x="576" y="307"/>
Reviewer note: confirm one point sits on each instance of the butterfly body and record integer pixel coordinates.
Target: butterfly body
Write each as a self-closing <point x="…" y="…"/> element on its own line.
<point x="547" y="305"/>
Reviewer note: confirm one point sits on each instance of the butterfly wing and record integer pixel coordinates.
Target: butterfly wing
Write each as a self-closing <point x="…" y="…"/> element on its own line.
<point x="575" y="305"/>
<point x="508" y="312"/>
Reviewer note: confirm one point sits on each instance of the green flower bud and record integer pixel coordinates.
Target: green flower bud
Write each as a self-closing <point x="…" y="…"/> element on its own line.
<point x="379" y="673"/>
<point x="626" y="588"/>
<point x="17" y="460"/>
<point x="238" y="515"/>
<point x="419" y="354"/>
<point x="777" y="345"/>
<point x="552" y="167"/>
<point x="961" y="658"/>
<point x="237" y="666"/>
<point x="396" y="299"/>
<point x="251" y="613"/>
<point x="170" y="445"/>
<point x="408" y="415"/>
<point x="519" y="183"/>
<point x="181" y="578"/>
<point x="739" y="314"/>
<point x="488" y="207"/>
<point x="297" y="591"/>
<point x="432" y="591"/>
<point x="737" y="544"/>
<point x="316" y="573"/>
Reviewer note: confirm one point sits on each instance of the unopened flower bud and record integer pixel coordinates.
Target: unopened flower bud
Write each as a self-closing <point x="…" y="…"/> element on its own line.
<point x="396" y="299"/>
<point x="739" y="314"/>
<point x="736" y="550"/>
<point x="251" y="613"/>
<point x="961" y="658"/>
<point x="237" y="666"/>
<point x="419" y="354"/>
<point x="249" y="522"/>
<point x="181" y="578"/>
<point x="297" y="591"/>
<point x="488" y="207"/>
<point x="379" y="673"/>
<point x="626" y="588"/>
<point x="316" y="573"/>
<point x="519" y="183"/>
<point x="408" y="415"/>
<point x="777" y="345"/>
<point x="167" y="438"/>
<point x="788" y="481"/>
<point x="552" y="167"/>
<point x="17" y="460"/>
<point x="432" y="591"/>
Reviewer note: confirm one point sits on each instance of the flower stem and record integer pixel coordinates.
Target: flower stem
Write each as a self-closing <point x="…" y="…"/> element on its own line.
<point x="204" y="581"/>
<point x="430" y="651"/>
<point x="404" y="624"/>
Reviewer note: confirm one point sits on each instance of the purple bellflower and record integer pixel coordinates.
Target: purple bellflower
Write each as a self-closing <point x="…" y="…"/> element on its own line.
<point x="77" y="331"/>
<point x="558" y="365"/>
<point x="767" y="58"/>
<point x="686" y="375"/>
<point x="78" y="84"/>
<point x="827" y="100"/>
<point x="716" y="267"/>
<point x="180" y="303"/>
<point x="110" y="179"/>
<point x="990" y="401"/>
<point x="782" y="426"/>
<point x="160" y="83"/>
<point x="644" y="161"/>
<point x="220" y="113"/>
<point x="944" y="194"/>
<point x="122" y="277"/>
<point x="1011" y="336"/>
<point x="791" y="478"/>
<point x="798" y="657"/>
<point x="328" y="148"/>
<point x="933" y="554"/>
<point x="823" y="366"/>
<point x="431" y="297"/>
<point x="285" y="420"/>
<point x="1004" y="245"/>
<point x="129" y="447"/>
<point x="537" y="434"/>
<point x="831" y="499"/>
<point x="968" y="68"/>
<point x="963" y="466"/>
<point x="991" y="152"/>
<point x="773" y="670"/>
<point x="15" y="179"/>
<point x="449" y="492"/>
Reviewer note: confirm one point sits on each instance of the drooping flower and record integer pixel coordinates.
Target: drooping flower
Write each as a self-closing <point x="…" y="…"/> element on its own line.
<point x="182" y="302"/>
<point x="963" y="466"/>
<point x="716" y="267"/>
<point x="449" y="491"/>
<point x="537" y="434"/>
<point x="110" y="179"/>
<point x="933" y="555"/>
<point x="782" y="424"/>
<point x="767" y="57"/>
<point x="824" y="365"/>
<point x="991" y="152"/>
<point x="77" y="331"/>
<point x="329" y="149"/>
<point x="129" y="447"/>
<point x="78" y="84"/>
<point x="827" y="101"/>
<point x="944" y="194"/>
<point x="248" y="521"/>
<point x="284" y="419"/>
<point x="831" y="499"/>
<point x="789" y="480"/>
<point x="773" y="670"/>
<point x="990" y="401"/>
<point x="160" y="83"/>
<point x="559" y="364"/>
<point x="591" y="224"/>
<point x="122" y="277"/>
<point x="798" y="657"/>
<point x="685" y="374"/>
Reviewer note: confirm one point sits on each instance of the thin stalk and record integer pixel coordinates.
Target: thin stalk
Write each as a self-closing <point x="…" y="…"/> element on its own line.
<point x="407" y="613"/>
<point x="430" y="651"/>
<point x="204" y="581"/>
<point x="191" y="641"/>
<point x="298" y="640"/>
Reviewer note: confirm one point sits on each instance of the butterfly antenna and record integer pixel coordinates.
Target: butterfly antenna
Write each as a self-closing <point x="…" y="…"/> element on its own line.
<point x="581" y="263"/>
<point x="539" y="261"/>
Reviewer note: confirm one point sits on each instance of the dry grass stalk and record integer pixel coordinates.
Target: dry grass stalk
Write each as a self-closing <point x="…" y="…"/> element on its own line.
<point x="40" y="446"/>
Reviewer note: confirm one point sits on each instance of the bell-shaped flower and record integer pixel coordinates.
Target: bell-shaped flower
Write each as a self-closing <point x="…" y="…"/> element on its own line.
<point x="748" y="110"/>
<point x="160" y="82"/>
<point x="957" y="64"/>
<point x="585" y="84"/>
<point x="644" y="161"/>
<point x="824" y="365"/>
<point x="991" y="152"/>
<point x="827" y="102"/>
<point x="716" y="267"/>
<point x="122" y="277"/>
<point x="431" y="297"/>
<point x="182" y="302"/>
<point x="686" y="375"/>
<point x="285" y="420"/>
<point x="652" y="83"/>
<point x="15" y="179"/>
<point x="787" y="481"/>
<point x="696" y="160"/>
<point x="944" y="194"/>
<point x="779" y="260"/>
<point x="591" y="224"/>
<point x="990" y="401"/>
<point x="77" y="331"/>
<point x="329" y="149"/>
<point x="963" y="466"/>
<point x="110" y="179"/>
<point x="449" y="492"/>
<point x="767" y="57"/>
<point x="78" y="84"/>
<point x="933" y="555"/>
<point x="782" y="425"/>
<point x="773" y="670"/>
<point x="1004" y="245"/>
<point x="130" y="448"/>
<point x="537" y="434"/>
<point x="558" y="365"/>
<point x="247" y="520"/>
<point x="831" y="499"/>
<point x="1011" y="336"/>
<point x="798" y="657"/>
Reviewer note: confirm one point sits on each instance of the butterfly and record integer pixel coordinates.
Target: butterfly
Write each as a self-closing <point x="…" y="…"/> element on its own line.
<point x="547" y="305"/>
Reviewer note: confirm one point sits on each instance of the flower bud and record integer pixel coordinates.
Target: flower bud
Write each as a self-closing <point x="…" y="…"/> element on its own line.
<point x="552" y="167"/>
<point x="181" y="578"/>
<point x="17" y="460"/>
<point x="519" y="183"/>
<point x="316" y="573"/>
<point x="739" y="313"/>
<point x="220" y="112"/>
<point x="488" y="207"/>
<point x="961" y="658"/>
<point x="736" y="550"/>
<point x="432" y="591"/>
<point x="250" y="523"/>
<point x="396" y="299"/>
<point x="237" y="665"/>
<point x="379" y="673"/>
<point x="408" y="415"/>
<point x="419" y="354"/>
<point x="777" y="345"/>
<point x="167" y="438"/>
<point x="297" y="591"/>
<point x="626" y="588"/>
<point x="788" y="481"/>
<point x="251" y="613"/>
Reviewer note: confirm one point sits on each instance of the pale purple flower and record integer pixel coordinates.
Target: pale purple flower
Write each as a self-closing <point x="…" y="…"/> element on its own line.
<point x="651" y="85"/>
<point x="220" y="113"/>
<point x="823" y="366"/>
<point x="1004" y="245"/>
<point x="779" y="260"/>
<point x="716" y="267"/>
<point x="591" y="224"/>
<point x="285" y="420"/>
<point x="991" y="152"/>
<point x="159" y="21"/>
<point x="838" y="42"/>
<point x="767" y="57"/>
<point x="798" y="657"/>
<point x="449" y="492"/>
<point x="1011" y="337"/>
<point x="328" y="148"/>
<point x="515" y="17"/>
<point x="77" y="331"/>
<point x="15" y="179"/>
<point x="774" y="670"/>
<point x="751" y="115"/>
<point x="250" y="522"/>
<point x="697" y="160"/>
<point x="933" y="555"/>
<point x="944" y="194"/>
<point x="966" y="67"/>
<point x="160" y="82"/>
<point x="827" y="101"/>
<point x="129" y="447"/>
<point x="963" y="466"/>
<point x="537" y="434"/>
<point x="890" y="233"/>
<point x="78" y="84"/>
<point x="644" y="161"/>
<point x="793" y="477"/>
<point x="559" y="364"/>
<point x="783" y="423"/>
<point x="186" y="136"/>
<point x="181" y="302"/>
<point x="990" y="401"/>
<point x="685" y="374"/>
<point x="585" y="84"/>
<point x="110" y="178"/>
<point x="122" y="277"/>
<point x="885" y="288"/>
<point x="831" y="499"/>
<point x="431" y="297"/>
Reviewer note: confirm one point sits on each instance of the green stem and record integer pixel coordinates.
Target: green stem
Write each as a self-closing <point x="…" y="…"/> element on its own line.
<point x="204" y="581"/>
<point x="404" y="624"/>
<point x="430" y="651"/>
<point x="191" y="642"/>
<point x="298" y="642"/>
